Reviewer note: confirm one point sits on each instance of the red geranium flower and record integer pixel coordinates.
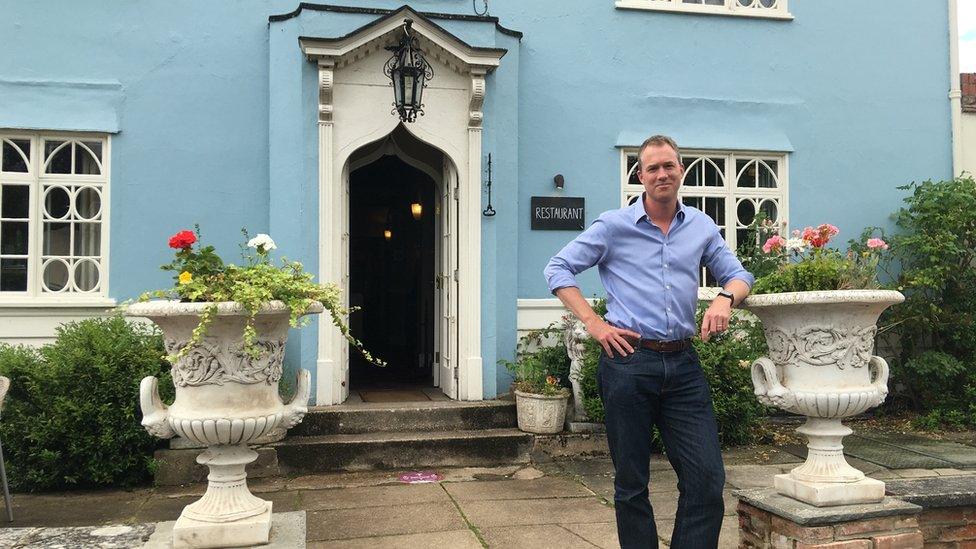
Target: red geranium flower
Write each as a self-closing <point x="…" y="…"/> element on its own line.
<point x="182" y="240"/>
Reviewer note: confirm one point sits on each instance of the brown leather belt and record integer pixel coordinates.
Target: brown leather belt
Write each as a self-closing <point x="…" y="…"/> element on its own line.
<point x="662" y="346"/>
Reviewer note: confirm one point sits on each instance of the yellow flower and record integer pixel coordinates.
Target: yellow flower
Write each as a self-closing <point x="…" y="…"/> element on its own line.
<point x="186" y="277"/>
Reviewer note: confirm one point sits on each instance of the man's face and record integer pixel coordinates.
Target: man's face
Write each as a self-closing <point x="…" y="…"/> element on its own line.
<point x="661" y="173"/>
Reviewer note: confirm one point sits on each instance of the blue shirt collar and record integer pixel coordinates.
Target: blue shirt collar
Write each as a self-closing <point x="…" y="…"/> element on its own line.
<point x="638" y="213"/>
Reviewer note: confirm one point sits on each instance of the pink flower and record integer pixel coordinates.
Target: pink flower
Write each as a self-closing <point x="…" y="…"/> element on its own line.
<point x="877" y="244"/>
<point x="775" y="243"/>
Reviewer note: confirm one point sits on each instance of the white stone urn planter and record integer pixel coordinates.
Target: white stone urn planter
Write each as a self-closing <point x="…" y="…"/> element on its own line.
<point x="224" y="400"/>
<point x="540" y="414"/>
<point x="821" y="365"/>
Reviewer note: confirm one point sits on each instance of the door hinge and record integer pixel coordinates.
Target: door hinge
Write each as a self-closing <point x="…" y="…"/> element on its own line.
<point x="456" y="193"/>
<point x="455" y="372"/>
<point x="437" y="357"/>
<point x="455" y="275"/>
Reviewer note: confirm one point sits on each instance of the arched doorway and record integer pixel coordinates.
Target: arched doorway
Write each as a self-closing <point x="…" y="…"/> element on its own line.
<point x="399" y="232"/>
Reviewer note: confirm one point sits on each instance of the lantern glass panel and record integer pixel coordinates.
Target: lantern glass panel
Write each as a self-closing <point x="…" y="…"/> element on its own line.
<point x="398" y="86"/>
<point x="409" y="87"/>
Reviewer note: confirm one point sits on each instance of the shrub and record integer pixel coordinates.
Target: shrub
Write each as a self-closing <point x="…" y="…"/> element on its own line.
<point x="935" y="249"/>
<point x="70" y="419"/>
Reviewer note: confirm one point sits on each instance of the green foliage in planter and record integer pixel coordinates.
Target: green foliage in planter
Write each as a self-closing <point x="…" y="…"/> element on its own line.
<point x="935" y="253"/>
<point x="825" y="271"/>
<point x="539" y="368"/>
<point x="726" y="361"/>
<point x="70" y="419"/>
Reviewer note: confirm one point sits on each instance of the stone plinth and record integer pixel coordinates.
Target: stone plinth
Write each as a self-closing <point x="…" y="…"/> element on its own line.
<point x="771" y="520"/>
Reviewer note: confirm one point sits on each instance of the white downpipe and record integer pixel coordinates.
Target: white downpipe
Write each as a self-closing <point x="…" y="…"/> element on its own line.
<point x="955" y="90"/>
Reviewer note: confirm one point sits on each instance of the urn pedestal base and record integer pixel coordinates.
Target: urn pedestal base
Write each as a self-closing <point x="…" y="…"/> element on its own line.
<point x="824" y="494"/>
<point x="245" y="532"/>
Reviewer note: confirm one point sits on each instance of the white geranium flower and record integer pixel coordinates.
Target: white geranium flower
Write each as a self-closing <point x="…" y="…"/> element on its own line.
<point x="262" y="242"/>
<point x="795" y="244"/>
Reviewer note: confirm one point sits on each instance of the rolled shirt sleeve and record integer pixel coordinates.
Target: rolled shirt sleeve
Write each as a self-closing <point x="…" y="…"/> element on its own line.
<point x="586" y="250"/>
<point x="723" y="263"/>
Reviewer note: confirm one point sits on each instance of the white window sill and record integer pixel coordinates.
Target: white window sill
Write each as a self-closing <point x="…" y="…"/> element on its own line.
<point x="700" y="9"/>
<point x="57" y="303"/>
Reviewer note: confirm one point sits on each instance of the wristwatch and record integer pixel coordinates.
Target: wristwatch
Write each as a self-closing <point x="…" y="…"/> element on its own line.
<point x="728" y="294"/>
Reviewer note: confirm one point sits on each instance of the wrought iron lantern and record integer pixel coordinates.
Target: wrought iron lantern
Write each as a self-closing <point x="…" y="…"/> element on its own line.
<point x="409" y="72"/>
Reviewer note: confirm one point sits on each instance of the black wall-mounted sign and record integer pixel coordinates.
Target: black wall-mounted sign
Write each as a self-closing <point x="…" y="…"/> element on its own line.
<point x="557" y="213"/>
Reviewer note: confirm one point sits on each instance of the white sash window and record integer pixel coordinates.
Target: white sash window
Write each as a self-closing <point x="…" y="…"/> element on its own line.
<point x="53" y="217"/>
<point x="730" y="186"/>
<point x="771" y="9"/>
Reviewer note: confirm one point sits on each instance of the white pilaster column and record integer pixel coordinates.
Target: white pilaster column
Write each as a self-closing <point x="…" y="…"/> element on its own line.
<point x="328" y="365"/>
<point x="471" y="375"/>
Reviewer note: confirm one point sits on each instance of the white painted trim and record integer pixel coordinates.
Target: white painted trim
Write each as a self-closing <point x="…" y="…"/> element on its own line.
<point x="730" y="8"/>
<point x="37" y="325"/>
<point x="955" y="91"/>
<point x="37" y="179"/>
<point x="465" y="54"/>
<point x="332" y="361"/>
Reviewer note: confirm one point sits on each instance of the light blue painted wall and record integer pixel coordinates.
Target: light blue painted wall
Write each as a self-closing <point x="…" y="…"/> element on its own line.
<point x="211" y="128"/>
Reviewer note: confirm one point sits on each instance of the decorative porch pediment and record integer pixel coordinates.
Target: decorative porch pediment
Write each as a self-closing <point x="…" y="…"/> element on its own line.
<point x="438" y="44"/>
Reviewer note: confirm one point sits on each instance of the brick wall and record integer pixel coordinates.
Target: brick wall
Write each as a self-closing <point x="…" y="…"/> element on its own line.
<point x="762" y="530"/>
<point x="949" y="528"/>
<point x="945" y="528"/>
<point x="968" y="81"/>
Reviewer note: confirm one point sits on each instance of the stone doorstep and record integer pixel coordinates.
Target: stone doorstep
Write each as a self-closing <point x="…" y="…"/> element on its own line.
<point x="304" y="455"/>
<point x="406" y="417"/>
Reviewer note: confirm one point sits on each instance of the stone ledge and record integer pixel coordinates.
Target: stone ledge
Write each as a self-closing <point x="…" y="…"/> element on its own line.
<point x="937" y="492"/>
<point x="803" y="514"/>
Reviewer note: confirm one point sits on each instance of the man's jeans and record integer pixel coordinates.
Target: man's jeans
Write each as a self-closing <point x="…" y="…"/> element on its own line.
<point x="669" y="390"/>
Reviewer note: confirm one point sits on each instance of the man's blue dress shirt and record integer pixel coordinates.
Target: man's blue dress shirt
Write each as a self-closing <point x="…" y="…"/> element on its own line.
<point x="651" y="278"/>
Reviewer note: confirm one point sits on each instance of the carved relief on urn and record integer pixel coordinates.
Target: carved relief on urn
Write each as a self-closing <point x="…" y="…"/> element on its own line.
<point x="821" y="365"/>
<point x="225" y="399"/>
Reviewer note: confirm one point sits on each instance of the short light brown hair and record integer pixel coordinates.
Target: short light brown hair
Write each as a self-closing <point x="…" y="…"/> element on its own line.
<point x="658" y="141"/>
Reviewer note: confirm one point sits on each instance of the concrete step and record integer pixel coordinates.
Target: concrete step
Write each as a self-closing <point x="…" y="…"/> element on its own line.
<point x="406" y="417"/>
<point x="399" y="450"/>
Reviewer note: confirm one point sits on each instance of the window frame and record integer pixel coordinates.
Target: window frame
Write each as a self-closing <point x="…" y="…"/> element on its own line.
<point x="35" y="296"/>
<point x="731" y="8"/>
<point x="730" y="192"/>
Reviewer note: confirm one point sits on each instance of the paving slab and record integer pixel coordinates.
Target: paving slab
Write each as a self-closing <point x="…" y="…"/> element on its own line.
<point x="601" y="534"/>
<point x="753" y="476"/>
<point x="758" y="455"/>
<point x="87" y="508"/>
<point x="914" y="473"/>
<point x="287" y="532"/>
<point x="545" y="535"/>
<point x="391" y="520"/>
<point x="728" y="537"/>
<point x="116" y="536"/>
<point x="960" y="455"/>
<point x="883" y="453"/>
<point x="546" y="487"/>
<point x="455" y="539"/>
<point x="487" y="514"/>
<point x="599" y="485"/>
<point x="373" y="496"/>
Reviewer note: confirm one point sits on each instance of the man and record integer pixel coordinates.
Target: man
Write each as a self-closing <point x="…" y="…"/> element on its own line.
<point x="649" y="256"/>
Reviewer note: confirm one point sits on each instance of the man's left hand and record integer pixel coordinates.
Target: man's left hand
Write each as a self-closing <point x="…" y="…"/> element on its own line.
<point x="716" y="319"/>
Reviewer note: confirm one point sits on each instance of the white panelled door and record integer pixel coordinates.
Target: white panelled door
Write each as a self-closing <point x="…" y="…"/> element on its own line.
<point x="447" y="284"/>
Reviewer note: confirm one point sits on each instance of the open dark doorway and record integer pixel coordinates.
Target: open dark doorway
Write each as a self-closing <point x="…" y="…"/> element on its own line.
<point x="392" y="274"/>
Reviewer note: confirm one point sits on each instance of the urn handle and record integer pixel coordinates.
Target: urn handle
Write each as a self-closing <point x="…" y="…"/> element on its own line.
<point x="154" y="412"/>
<point x="297" y="407"/>
<point x="768" y="388"/>
<point x="878" y="367"/>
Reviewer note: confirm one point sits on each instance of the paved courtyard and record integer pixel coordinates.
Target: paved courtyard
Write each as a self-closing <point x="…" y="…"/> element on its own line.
<point x="565" y="504"/>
